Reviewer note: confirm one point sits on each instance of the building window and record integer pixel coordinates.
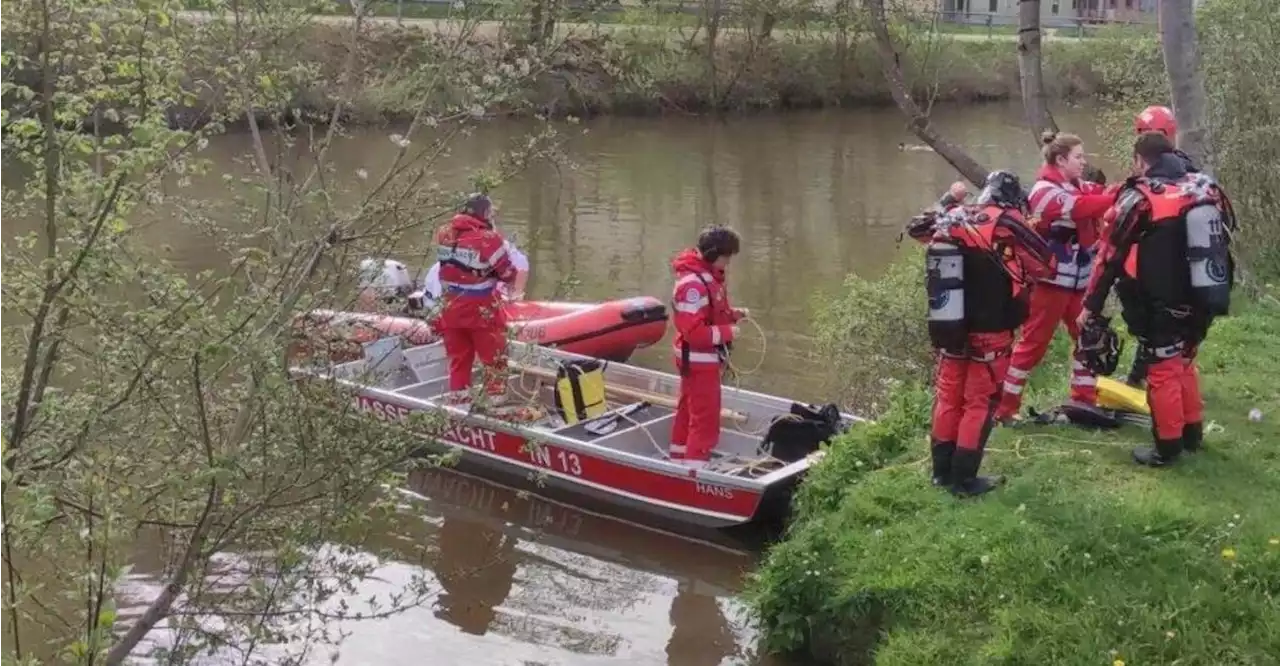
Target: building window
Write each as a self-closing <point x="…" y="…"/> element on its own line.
<point x="1054" y="7"/>
<point x="993" y="6"/>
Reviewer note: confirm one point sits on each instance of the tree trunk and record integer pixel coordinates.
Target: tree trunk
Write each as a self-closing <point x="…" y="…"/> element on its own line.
<point x="918" y="119"/>
<point x="711" y="18"/>
<point x="767" y="24"/>
<point x="1186" y="80"/>
<point x="1030" y="70"/>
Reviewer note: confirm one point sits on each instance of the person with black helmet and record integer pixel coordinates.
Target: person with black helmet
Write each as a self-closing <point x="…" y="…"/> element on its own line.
<point x="473" y="263"/>
<point x="981" y="262"/>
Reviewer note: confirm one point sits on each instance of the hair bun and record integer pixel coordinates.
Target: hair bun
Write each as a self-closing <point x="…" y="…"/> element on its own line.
<point x="1048" y="136"/>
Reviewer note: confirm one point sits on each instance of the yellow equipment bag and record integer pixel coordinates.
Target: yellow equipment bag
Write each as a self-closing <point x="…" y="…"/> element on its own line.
<point x="1121" y="397"/>
<point x="580" y="390"/>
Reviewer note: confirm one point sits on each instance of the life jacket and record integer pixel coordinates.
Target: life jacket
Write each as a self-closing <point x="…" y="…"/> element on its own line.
<point x="1183" y="257"/>
<point x="468" y="250"/>
<point x="974" y="282"/>
<point x="712" y="308"/>
<point x="1050" y="203"/>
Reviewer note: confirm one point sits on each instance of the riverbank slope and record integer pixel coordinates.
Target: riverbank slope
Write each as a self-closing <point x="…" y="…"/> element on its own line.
<point x="646" y="70"/>
<point x="1082" y="558"/>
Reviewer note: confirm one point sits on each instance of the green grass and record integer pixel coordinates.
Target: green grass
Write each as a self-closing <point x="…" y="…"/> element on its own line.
<point x="1082" y="558"/>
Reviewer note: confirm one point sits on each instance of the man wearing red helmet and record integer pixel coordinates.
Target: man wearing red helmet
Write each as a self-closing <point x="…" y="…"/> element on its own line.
<point x="1160" y="119"/>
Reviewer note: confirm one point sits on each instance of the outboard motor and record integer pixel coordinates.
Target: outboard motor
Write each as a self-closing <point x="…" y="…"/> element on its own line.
<point x="944" y="283"/>
<point x="388" y="278"/>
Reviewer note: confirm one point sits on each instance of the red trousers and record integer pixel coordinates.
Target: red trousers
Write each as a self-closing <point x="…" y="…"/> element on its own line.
<point x="463" y="345"/>
<point x="696" y="429"/>
<point x="1173" y="393"/>
<point x="1049" y="306"/>
<point x="967" y="389"/>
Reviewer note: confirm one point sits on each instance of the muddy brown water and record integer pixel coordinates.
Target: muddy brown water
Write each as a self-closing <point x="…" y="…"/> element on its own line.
<point x="815" y="196"/>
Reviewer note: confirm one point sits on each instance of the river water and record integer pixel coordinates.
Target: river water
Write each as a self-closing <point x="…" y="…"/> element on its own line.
<point x="815" y="196"/>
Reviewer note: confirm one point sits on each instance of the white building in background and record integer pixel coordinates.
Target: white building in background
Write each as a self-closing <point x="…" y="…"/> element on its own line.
<point x="1053" y="13"/>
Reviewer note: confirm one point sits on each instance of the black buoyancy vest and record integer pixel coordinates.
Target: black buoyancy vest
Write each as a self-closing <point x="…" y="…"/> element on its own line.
<point x="1180" y="274"/>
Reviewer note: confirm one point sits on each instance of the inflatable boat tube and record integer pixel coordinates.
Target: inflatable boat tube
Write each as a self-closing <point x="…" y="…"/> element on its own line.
<point x="612" y="330"/>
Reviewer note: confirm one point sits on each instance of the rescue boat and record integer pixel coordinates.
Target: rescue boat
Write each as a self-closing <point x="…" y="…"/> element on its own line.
<point x="611" y="330"/>
<point x="614" y="455"/>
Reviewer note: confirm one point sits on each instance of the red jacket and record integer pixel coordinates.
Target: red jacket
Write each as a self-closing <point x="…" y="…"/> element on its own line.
<point x="472" y="263"/>
<point x="701" y="311"/>
<point x="1068" y="215"/>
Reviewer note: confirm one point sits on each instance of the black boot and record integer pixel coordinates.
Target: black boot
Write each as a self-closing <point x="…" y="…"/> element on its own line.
<point x="965" y="481"/>
<point x="942" y="453"/>
<point x="1192" y="437"/>
<point x="1163" y="454"/>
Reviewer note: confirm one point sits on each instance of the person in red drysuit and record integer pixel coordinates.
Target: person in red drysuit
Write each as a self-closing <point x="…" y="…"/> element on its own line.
<point x="1068" y="212"/>
<point x="1158" y="119"/>
<point x="704" y="321"/>
<point x="473" y="260"/>
<point x="1001" y="258"/>
<point x="1145" y="256"/>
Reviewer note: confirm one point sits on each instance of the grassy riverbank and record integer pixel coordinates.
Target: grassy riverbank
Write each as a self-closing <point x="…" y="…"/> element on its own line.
<point x="643" y="70"/>
<point x="1083" y="558"/>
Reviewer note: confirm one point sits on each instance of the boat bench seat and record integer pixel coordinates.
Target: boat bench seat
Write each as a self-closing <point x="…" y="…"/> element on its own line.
<point x="645" y="415"/>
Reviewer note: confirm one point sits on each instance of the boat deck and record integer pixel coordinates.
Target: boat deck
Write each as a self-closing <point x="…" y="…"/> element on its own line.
<point x="638" y="423"/>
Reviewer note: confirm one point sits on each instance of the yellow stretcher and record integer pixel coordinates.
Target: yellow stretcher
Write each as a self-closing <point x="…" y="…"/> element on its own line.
<point x="1121" y="397"/>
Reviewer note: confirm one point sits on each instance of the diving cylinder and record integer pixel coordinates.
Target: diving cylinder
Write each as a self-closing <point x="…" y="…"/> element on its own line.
<point x="944" y="283"/>
<point x="1209" y="258"/>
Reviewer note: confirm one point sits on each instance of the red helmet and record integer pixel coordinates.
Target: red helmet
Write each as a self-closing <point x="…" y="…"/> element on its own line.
<point x="1157" y="119"/>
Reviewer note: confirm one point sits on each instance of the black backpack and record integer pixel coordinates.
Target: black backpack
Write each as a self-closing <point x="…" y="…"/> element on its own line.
<point x="791" y="438"/>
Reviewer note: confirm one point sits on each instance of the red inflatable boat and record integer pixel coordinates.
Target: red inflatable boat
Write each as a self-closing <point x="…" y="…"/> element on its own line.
<point x="612" y="330"/>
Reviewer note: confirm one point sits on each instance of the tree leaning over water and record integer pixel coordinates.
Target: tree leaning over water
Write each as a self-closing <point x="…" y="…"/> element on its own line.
<point x="143" y="403"/>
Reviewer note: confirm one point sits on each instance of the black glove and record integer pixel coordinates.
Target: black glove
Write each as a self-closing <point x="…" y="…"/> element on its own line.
<point x="1098" y="348"/>
<point x="922" y="226"/>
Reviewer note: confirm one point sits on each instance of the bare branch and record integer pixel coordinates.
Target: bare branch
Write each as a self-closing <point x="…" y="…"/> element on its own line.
<point x="918" y="120"/>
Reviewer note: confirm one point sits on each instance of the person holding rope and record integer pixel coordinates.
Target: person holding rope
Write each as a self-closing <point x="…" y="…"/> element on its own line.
<point x="981" y="263"/>
<point x="705" y="323"/>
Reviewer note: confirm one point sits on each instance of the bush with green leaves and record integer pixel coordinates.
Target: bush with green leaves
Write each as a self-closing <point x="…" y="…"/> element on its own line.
<point x="873" y="333"/>
<point x="147" y="404"/>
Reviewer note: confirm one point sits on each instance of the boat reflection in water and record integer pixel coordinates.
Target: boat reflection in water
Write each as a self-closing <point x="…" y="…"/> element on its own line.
<point x="513" y="565"/>
<point x="515" y="579"/>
